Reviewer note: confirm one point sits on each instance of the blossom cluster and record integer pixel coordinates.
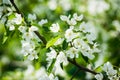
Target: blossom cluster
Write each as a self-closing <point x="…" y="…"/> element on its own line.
<point x="16" y="22"/>
<point x="28" y="44"/>
<point x="80" y="40"/>
<point x="110" y="72"/>
<point x="80" y="37"/>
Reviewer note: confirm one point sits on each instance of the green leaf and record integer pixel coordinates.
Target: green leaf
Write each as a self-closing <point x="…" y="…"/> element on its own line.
<point x="52" y="41"/>
<point x="7" y="37"/>
<point x="98" y="69"/>
<point x="65" y="45"/>
<point x="11" y="17"/>
<point x="51" y="66"/>
<point x="4" y="39"/>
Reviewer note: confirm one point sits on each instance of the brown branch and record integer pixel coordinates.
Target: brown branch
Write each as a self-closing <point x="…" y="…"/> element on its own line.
<point x="37" y="33"/>
<point x="81" y="67"/>
<point x="40" y="37"/>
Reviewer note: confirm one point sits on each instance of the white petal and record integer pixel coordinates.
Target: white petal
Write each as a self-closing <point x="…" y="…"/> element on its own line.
<point x="55" y="27"/>
<point x="30" y="57"/>
<point x="64" y="18"/>
<point x="12" y="27"/>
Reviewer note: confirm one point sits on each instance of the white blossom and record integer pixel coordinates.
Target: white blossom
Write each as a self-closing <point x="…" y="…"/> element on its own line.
<point x="77" y="43"/>
<point x="22" y="29"/>
<point x="77" y="18"/>
<point x="116" y="23"/>
<point x="12" y="27"/>
<point x="55" y="27"/>
<point x="6" y="2"/>
<point x="84" y="27"/>
<point x="18" y="19"/>
<point x="72" y="22"/>
<point x="91" y="37"/>
<point x="58" y="70"/>
<point x="33" y="55"/>
<point x="88" y="54"/>
<point x="72" y="52"/>
<point x="108" y="68"/>
<point x="28" y="45"/>
<point x="83" y="47"/>
<point x="61" y="58"/>
<point x="95" y="49"/>
<point x="64" y="18"/>
<point x="28" y="49"/>
<point x="42" y="22"/>
<point x="1" y="11"/>
<point x="31" y="17"/>
<point x="33" y="28"/>
<point x="69" y="34"/>
<point x="52" y="77"/>
<point x="99" y="76"/>
<point x="51" y="55"/>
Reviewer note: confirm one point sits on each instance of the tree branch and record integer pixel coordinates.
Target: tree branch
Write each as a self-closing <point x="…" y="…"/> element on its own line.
<point x="81" y="67"/>
<point x="37" y="33"/>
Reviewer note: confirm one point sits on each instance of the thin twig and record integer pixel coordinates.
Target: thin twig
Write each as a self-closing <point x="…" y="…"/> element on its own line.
<point x="81" y="67"/>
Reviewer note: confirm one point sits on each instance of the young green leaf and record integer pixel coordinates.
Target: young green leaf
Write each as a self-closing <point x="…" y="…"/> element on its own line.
<point x="65" y="45"/>
<point x="52" y="41"/>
